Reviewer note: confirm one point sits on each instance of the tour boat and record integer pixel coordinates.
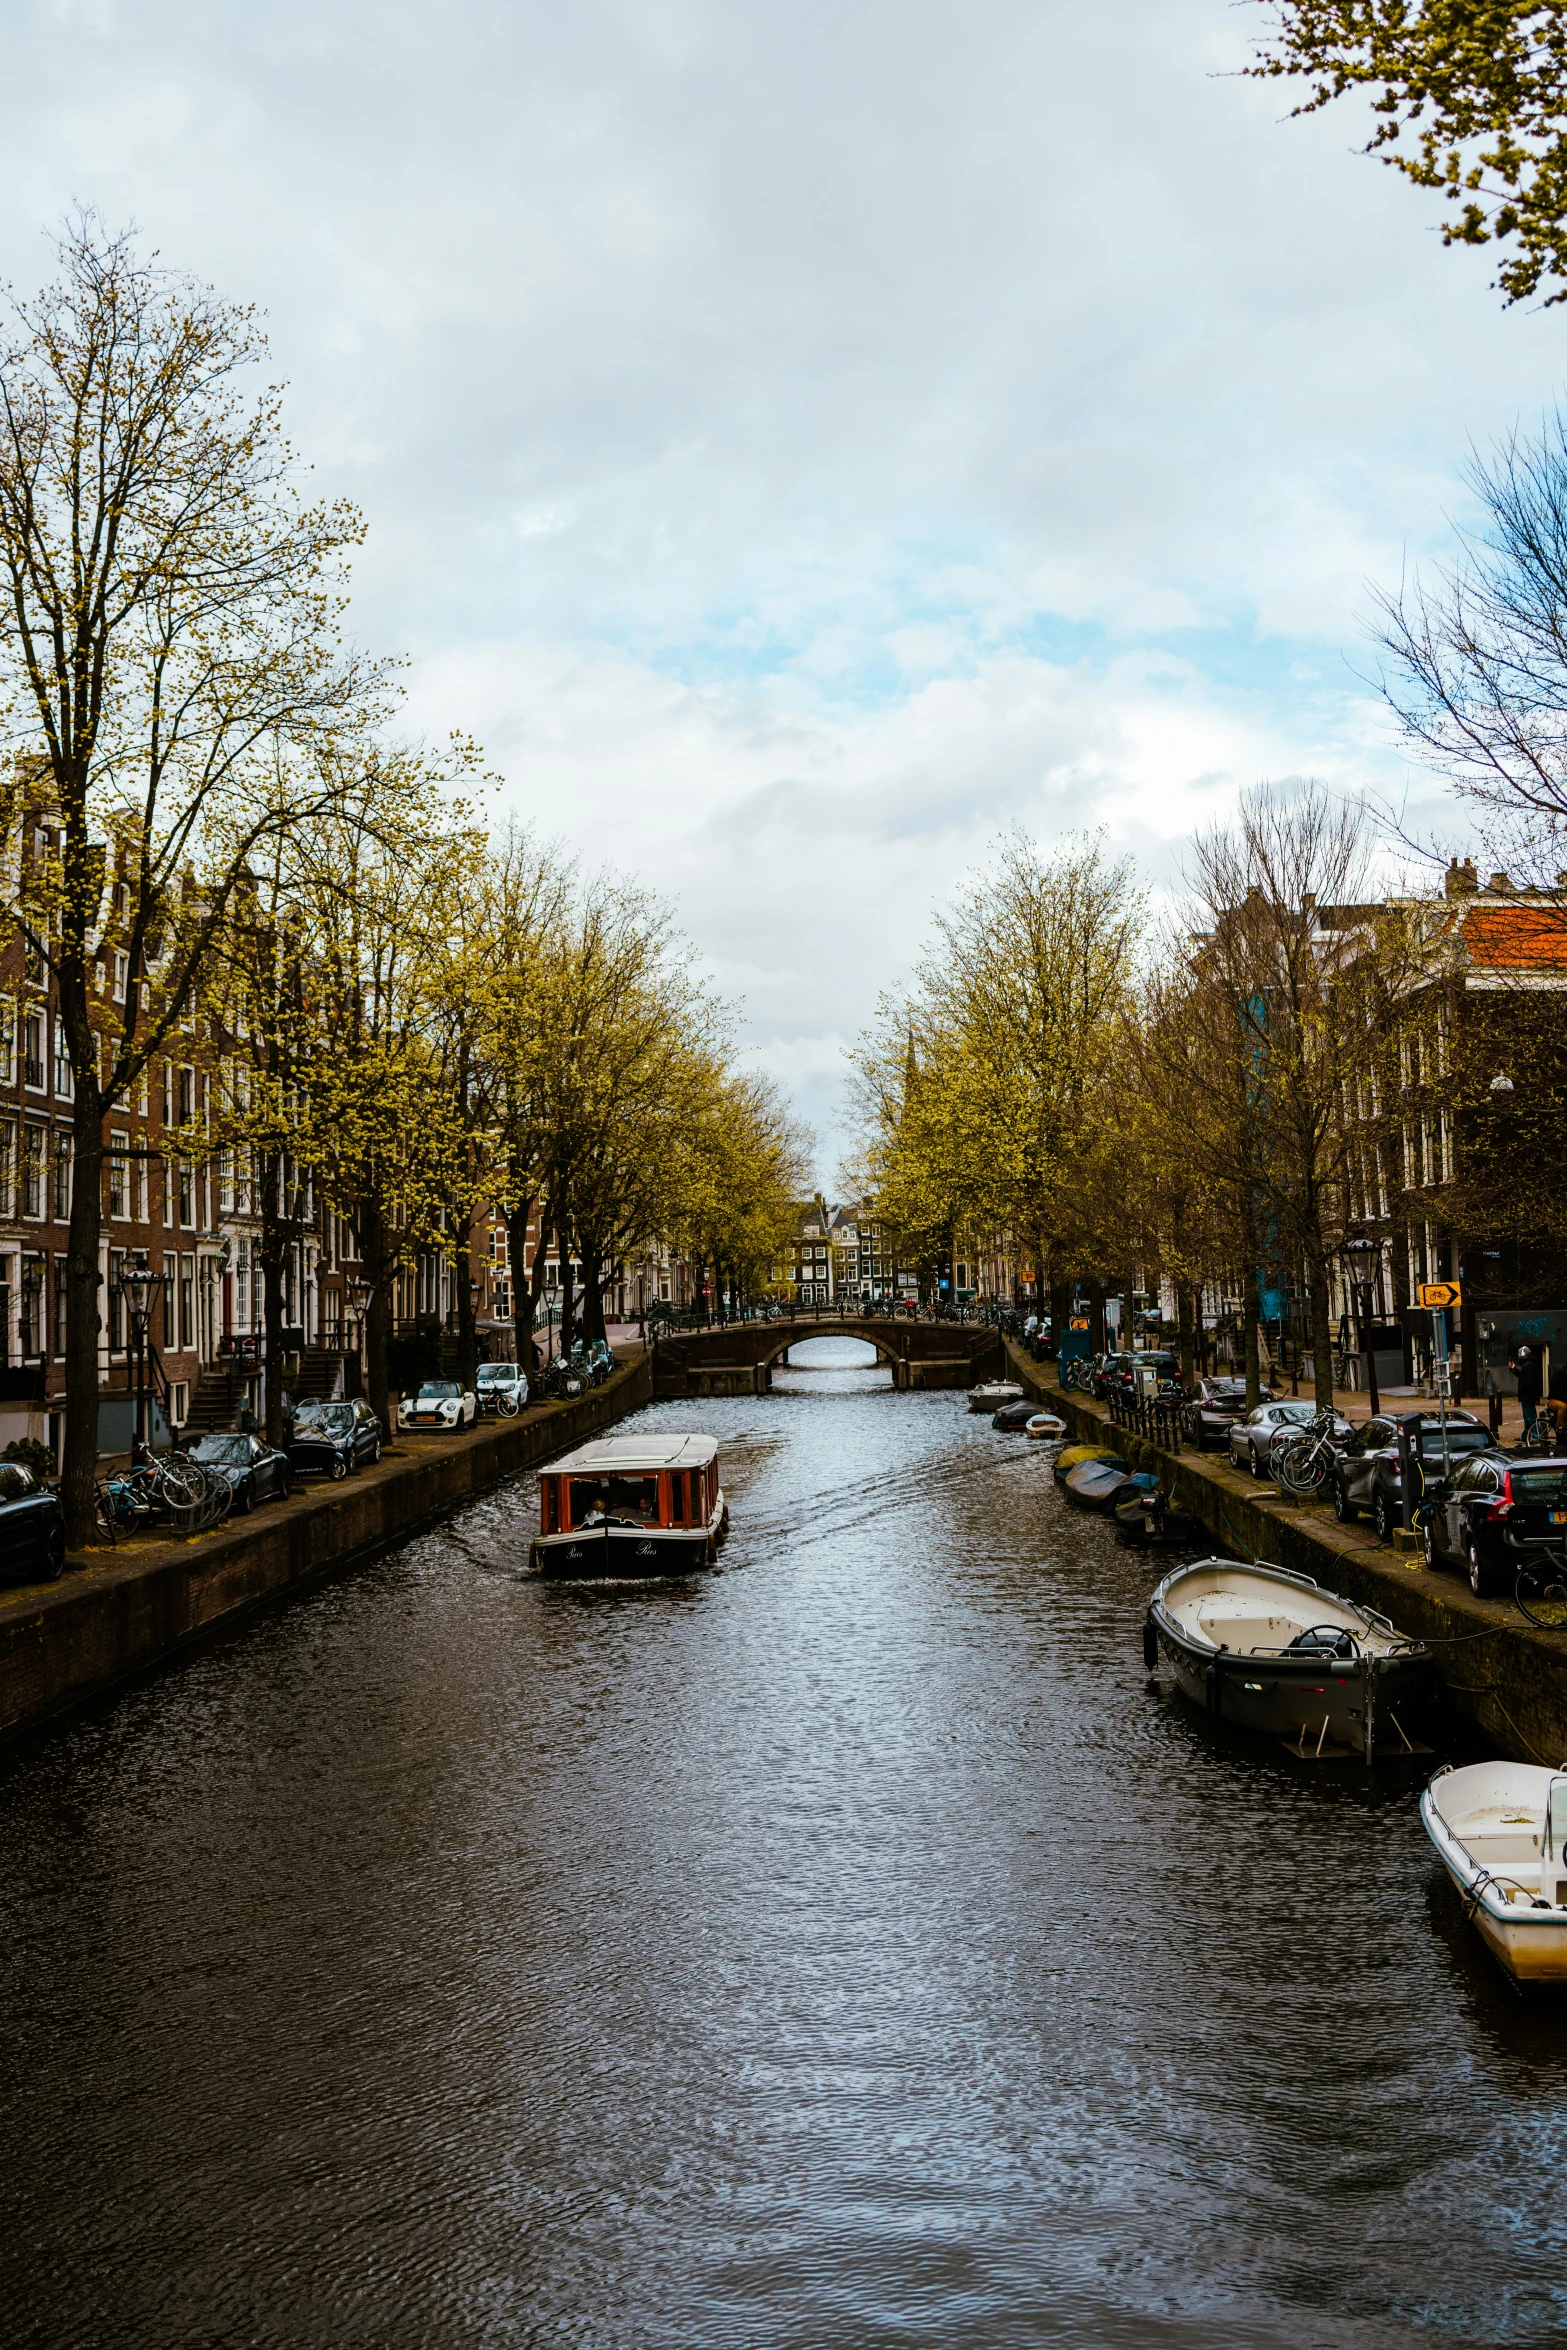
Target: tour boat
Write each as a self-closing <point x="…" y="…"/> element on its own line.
<point x="992" y="1394"/>
<point x="1273" y="1651"/>
<point x="1500" y="1831"/>
<point x="631" y="1506"/>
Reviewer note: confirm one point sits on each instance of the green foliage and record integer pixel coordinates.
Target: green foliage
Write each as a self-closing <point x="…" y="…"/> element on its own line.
<point x="1470" y="97"/>
<point x="33" y="1456"/>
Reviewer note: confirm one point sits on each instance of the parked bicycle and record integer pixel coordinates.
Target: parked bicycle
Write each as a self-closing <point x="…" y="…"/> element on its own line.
<point x="1300" y="1460"/>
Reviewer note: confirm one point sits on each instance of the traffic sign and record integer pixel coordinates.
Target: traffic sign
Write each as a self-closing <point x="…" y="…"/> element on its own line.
<point x="1441" y="1293"/>
<point x="1076" y="1325"/>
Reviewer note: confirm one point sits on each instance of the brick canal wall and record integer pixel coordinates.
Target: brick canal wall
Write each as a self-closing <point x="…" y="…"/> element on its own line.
<point x="1509" y="1688"/>
<point x="117" y="1612"/>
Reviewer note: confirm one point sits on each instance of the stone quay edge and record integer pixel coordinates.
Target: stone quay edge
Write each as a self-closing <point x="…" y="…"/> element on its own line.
<point x="1509" y="1687"/>
<point x="115" y="1614"/>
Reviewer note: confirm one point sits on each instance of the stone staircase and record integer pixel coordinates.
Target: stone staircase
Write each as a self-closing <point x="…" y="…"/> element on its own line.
<point x="216" y="1399"/>
<point x="320" y="1371"/>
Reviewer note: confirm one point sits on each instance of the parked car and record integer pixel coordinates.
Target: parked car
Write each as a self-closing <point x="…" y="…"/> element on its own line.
<point x="1249" y="1439"/>
<point x="1123" y="1373"/>
<point x="440" y="1403"/>
<point x="329" y="1439"/>
<point x="32" y="1527"/>
<point x="503" y="1388"/>
<point x="254" y="1470"/>
<point x="1366" y="1475"/>
<point x="1213" y="1408"/>
<point x="1496" y="1515"/>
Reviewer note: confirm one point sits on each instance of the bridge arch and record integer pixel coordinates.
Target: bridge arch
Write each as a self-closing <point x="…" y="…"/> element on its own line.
<point x="737" y="1358"/>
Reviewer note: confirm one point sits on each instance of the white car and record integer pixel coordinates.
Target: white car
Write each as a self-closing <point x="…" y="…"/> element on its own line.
<point x="503" y="1388"/>
<point x="440" y="1403"/>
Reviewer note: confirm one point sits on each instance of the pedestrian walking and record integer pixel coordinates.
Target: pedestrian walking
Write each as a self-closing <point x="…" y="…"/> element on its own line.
<point x="1526" y="1369"/>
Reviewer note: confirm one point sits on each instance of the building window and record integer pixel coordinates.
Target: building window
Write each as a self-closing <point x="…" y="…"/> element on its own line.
<point x="60" y="1294"/>
<point x="7" y="1167"/>
<point x="7" y="1041"/>
<point x="33" y="1051"/>
<point x="187" y="1195"/>
<point x="62" y="1063"/>
<point x="119" y="1201"/>
<point x="64" y="1153"/>
<point x="34" y="1139"/>
<point x="225" y="1181"/>
<point x="122" y="972"/>
<point x="179" y="1401"/>
<point x="116" y="1302"/>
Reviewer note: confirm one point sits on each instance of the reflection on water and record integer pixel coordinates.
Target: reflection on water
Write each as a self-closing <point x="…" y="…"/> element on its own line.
<point x="845" y="1949"/>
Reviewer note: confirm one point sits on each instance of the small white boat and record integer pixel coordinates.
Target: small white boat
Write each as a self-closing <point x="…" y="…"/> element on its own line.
<point x="993" y="1394"/>
<point x="1500" y="1831"/>
<point x="1046" y="1426"/>
<point x="1275" y="1652"/>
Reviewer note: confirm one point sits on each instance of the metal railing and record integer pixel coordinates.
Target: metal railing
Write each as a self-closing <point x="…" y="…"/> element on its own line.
<point x="1156" y="1417"/>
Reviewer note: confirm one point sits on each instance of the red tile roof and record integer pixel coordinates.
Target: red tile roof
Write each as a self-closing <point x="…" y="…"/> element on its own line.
<point x="1516" y="937"/>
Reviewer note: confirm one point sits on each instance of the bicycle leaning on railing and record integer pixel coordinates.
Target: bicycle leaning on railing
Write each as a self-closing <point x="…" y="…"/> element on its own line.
<point x="186" y="1493"/>
<point x="1300" y="1460"/>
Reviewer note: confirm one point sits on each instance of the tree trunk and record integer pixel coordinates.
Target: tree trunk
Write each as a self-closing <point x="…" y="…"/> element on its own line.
<point x="1321" y="1335"/>
<point x="274" y="1249"/>
<point x="1096" y="1317"/>
<point x="1199" y="1332"/>
<point x="467" y="1328"/>
<point x="79" y="1465"/>
<point x="592" y="1290"/>
<point x="525" y="1283"/>
<point x="1185" y="1341"/>
<point x="568" y="1300"/>
<point x="379" y="1271"/>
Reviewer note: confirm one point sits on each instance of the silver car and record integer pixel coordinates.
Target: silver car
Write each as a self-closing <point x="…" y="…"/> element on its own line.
<point x="1251" y="1437"/>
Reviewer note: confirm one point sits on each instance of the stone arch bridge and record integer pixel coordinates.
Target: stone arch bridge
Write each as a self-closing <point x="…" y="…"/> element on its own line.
<point x="737" y="1358"/>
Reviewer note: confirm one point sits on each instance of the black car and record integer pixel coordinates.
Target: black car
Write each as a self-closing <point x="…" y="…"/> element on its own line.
<point x="1122" y="1374"/>
<point x="329" y="1439"/>
<point x="253" y="1469"/>
<point x="1496" y="1515"/>
<point x="32" y="1527"/>
<point x="1366" y="1474"/>
<point x="1213" y="1408"/>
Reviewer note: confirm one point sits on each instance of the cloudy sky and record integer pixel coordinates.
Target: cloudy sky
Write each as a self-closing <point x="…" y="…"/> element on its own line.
<point x="801" y="440"/>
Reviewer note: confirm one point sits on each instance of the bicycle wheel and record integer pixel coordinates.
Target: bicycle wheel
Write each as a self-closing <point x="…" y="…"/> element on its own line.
<point x="1303" y="1466"/>
<point x="103" y="1512"/>
<point x="1541" y="1593"/>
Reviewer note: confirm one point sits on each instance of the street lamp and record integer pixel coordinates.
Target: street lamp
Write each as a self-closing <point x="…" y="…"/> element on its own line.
<point x="137" y="1283"/>
<point x="1365" y="1256"/>
<point x="1501" y="1082"/>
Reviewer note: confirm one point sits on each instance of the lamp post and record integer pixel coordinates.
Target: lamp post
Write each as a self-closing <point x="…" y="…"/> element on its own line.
<point x="137" y="1283"/>
<point x="359" y="1294"/>
<point x="1363" y="1255"/>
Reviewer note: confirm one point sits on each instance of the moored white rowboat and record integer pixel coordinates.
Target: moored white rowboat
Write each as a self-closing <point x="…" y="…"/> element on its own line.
<point x="1498" y="1829"/>
<point x="992" y="1394"/>
<point x="1275" y="1652"/>
<point x="1046" y="1426"/>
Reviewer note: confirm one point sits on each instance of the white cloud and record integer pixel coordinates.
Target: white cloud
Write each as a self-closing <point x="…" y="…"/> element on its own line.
<point x="800" y="441"/>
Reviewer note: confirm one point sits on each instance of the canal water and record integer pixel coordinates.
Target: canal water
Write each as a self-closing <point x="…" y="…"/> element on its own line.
<point x="846" y="1949"/>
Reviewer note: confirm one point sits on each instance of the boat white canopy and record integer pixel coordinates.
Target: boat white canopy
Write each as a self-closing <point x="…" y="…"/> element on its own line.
<point x="630" y="1456"/>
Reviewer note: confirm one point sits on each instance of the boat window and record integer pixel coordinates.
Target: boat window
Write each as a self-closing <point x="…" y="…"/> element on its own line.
<point x="633" y="1498"/>
<point x="677" y="1497"/>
